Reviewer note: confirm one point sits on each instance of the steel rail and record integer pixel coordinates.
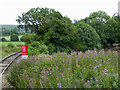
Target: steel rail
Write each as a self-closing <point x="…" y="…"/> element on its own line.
<point x="8" y="65"/>
<point x="3" y="59"/>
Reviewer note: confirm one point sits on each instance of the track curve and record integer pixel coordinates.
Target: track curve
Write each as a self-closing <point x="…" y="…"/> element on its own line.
<point x="7" y="61"/>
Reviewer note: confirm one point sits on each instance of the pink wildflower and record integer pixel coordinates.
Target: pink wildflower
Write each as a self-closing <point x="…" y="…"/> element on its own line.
<point x="59" y="85"/>
<point x="91" y="78"/>
<point x="30" y="80"/>
<point x="85" y="84"/>
<point x="105" y="73"/>
<point x="53" y="68"/>
<point x="68" y="68"/>
<point x="106" y="70"/>
<point x="42" y="76"/>
<point x="116" y="74"/>
<point x="114" y="84"/>
<point x="96" y="81"/>
<point x="75" y="86"/>
<point x="57" y="67"/>
<point x="46" y="71"/>
<point x="31" y="85"/>
<point x="88" y="81"/>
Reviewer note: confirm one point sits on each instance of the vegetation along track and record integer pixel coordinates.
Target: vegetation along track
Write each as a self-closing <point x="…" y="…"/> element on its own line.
<point x="7" y="61"/>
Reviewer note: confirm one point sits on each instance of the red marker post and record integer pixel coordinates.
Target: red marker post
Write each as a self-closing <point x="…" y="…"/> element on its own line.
<point x="24" y="52"/>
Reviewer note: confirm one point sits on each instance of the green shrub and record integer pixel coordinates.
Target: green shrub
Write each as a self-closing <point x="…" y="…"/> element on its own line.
<point x="11" y="45"/>
<point x="79" y="47"/>
<point x="28" y="38"/>
<point x="14" y="37"/>
<point x="36" y="38"/>
<point x="66" y="49"/>
<point x="3" y="39"/>
<point x="51" y="48"/>
<point x="88" y="35"/>
<point x="19" y="45"/>
<point x="37" y="48"/>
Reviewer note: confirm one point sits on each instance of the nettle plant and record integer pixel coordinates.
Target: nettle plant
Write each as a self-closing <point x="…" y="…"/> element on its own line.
<point x="91" y="69"/>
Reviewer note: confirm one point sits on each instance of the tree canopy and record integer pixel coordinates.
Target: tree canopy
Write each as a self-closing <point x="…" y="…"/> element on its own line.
<point x="88" y="35"/>
<point x="59" y="33"/>
<point x="37" y="20"/>
<point x="104" y="26"/>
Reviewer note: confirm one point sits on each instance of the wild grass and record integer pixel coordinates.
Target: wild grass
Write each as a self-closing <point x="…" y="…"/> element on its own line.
<point x="4" y="44"/>
<point x="7" y="48"/>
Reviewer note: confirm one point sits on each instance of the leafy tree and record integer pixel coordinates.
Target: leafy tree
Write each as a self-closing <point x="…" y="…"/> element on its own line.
<point x="116" y="26"/>
<point x="88" y="35"/>
<point x="60" y="33"/>
<point x="98" y="20"/>
<point x="14" y="37"/>
<point x="37" y="20"/>
<point x="112" y="33"/>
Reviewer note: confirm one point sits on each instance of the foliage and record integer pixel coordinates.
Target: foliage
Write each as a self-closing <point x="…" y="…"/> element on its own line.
<point x="3" y="39"/>
<point x="7" y="30"/>
<point x="88" y="35"/>
<point x="98" y="30"/>
<point x="14" y="37"/>
<point x="10" y="45"/>
<point x="104" y="26"/>
<point x="51" y="48"/>
<point x="36" y="48"/>
<point x="112" y="31"/>
<point x="115" y="26"/>
<point x="83" y="70"/>
<point x="8" y="37"/>
<point x="77" y="45"/>
<point x="62" y="34"/>
<point x="28" y="38"/>
<point x="37" y="20"/>
<point x="36" y="37"/>
<point x="15" y="43"/>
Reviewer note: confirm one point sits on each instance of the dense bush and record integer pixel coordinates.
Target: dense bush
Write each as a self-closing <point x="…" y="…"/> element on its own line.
<point x="3" y="39"/>
<point x="77" y="45"/>
<point x="11" y="45"/>
<point x="36" y="48"/>
<point x="82" y="70"/>
<point x="51" y="48"/>
<point x="54" y="49"/>
<point x="14" y="37"/>
<point x="80" y="47"/>
<point x="36" y="38"/>
<point x="88" y="35"/>
<point x="28" y="38"/>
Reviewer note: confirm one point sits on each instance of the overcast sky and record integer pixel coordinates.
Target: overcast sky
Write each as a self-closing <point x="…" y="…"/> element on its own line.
<point x="74" y="9"/>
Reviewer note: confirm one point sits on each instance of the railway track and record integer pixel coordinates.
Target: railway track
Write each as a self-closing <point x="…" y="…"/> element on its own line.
<point x="7" y="61"/>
